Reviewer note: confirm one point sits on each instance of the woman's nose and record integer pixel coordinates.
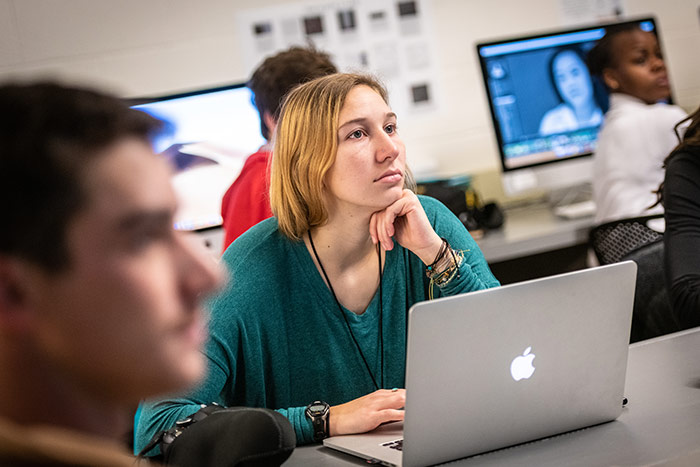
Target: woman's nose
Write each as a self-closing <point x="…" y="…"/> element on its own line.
<point x="387" y="147"/>
<point x="658" y="63"/>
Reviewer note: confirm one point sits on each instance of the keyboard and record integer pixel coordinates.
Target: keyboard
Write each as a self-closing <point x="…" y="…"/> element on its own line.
<point x="398" y="445"/>
<point x="576" y="210"/>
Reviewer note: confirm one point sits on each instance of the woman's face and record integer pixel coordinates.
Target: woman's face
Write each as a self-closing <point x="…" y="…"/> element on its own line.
<point x="368" y="171"/>
<point x="572" y="78"/>
<point x="639" y="68"/>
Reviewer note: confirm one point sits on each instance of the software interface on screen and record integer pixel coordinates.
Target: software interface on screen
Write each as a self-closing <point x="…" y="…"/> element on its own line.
<point x="544" y="104"/>
<point x="208" y="136"/>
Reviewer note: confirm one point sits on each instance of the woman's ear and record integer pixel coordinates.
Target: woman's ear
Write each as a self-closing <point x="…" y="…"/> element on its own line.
<point x="610" y="79"/>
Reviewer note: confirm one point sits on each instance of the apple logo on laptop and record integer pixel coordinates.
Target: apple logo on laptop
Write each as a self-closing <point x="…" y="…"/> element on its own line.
<point x="521" y="367"/>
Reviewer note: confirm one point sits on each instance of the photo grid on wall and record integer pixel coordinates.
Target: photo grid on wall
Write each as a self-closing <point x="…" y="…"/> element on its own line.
<point x="391" y="39"/>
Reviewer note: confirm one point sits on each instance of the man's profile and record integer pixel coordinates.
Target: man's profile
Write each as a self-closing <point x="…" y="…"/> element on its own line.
<point x="99" y="295"/>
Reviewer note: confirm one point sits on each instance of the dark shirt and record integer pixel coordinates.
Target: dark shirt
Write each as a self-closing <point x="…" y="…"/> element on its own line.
<point x="681" y="196"/>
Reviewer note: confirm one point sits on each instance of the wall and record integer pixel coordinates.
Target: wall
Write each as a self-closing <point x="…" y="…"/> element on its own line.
<point x="137" y="47"/>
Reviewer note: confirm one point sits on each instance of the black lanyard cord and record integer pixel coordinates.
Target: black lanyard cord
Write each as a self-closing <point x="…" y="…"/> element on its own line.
<point x="347" y="323"/>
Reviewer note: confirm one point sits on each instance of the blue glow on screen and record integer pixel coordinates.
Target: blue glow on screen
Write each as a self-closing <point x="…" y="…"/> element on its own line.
<point x="225" y="118"/>
<point x="208" y="136"/>
<point x="542" y="42"/>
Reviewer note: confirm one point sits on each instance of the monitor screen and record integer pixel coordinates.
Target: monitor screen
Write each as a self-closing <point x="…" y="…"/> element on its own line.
<point x="544" y="105"/>
<point x="208" y="135"/>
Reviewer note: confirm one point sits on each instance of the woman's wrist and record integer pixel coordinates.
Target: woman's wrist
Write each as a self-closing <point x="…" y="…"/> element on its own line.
<point x="445" y="266"/>
<point x="428" y="254"/>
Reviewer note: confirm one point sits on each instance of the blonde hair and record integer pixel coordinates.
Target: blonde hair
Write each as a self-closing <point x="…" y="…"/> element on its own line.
<point x="305" y="147"/>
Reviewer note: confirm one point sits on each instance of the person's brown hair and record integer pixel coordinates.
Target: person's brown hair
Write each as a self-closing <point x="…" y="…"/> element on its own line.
<point x="278" y="74"/>
<point x="690" y="139"/>
<point x="603" y="55"/>
<point x="305" y="148"/>
<point x="49" y="134"/>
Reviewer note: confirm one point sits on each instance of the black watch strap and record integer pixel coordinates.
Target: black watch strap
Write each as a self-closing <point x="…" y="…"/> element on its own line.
<point x="318" y="412"/>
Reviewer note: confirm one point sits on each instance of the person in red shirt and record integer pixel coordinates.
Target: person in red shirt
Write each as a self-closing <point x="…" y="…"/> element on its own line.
<point x="246" y="202"/>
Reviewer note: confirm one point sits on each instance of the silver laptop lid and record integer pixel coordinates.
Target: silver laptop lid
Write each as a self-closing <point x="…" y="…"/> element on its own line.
<point x="507" y="365"/>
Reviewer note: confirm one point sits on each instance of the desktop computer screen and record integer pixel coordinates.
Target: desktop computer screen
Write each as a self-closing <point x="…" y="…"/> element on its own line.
<point x="208" y="135"/>
<point x="545" y="106"/>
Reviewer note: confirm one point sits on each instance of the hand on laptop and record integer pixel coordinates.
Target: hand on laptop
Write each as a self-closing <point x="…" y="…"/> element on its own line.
<point x="367" y="412"/>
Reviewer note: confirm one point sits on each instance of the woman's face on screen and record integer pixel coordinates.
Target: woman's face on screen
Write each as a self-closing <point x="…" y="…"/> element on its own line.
<point x="572" y="79"/>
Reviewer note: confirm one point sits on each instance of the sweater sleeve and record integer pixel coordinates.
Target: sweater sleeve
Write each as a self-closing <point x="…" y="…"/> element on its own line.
<point x="301" y="424"/>
<point x="156" y="416"/>
<point x="474" y="273"/>
<point x="682" y="238"/>
<point x="246" y="354"/>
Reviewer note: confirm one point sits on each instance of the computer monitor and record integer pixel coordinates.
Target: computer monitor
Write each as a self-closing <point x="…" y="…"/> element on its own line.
<point x="208" y="135"/>
<point x="545" y="107"/>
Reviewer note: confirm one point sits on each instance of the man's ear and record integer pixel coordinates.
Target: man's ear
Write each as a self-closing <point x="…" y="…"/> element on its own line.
<point x="15" y="300"/>
<point x="270" y="123"/>
<point x="610" y="78"/>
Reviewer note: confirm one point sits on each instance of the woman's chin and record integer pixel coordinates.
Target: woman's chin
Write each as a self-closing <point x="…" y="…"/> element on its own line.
<point x="390" y="197"/>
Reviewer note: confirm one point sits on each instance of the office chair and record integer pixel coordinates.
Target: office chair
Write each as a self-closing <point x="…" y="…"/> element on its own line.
<point x="613" y="240"/>
<point x="653" y="314"/>
<point x="631" y="239"/>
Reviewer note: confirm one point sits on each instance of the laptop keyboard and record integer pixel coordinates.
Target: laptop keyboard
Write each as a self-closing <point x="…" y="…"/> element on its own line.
<point x="398" y="444"/>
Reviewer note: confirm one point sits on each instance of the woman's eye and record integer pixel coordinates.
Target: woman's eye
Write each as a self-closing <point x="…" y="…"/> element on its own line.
<point x="640" y="58"/>
<point x="391" y="128"/>
<point x="357" y="134"/>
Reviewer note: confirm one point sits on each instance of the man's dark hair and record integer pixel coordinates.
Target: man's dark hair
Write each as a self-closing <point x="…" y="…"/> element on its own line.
<point x="278" y="74"/>
<point x="49" y="134"/>
<point x="602" y="55"/>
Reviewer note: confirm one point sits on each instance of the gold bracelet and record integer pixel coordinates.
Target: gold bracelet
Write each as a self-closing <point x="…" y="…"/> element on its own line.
<point x="450" y="272"/>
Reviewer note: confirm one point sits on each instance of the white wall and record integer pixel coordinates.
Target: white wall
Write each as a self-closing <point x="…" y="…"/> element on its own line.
<point x="148" y="47"/>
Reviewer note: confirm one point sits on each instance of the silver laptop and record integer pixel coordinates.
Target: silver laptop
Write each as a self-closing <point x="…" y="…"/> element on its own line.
<point x="499" y="367"/>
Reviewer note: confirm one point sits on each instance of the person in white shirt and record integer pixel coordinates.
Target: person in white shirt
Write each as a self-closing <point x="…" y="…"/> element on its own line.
<point x="572" y="83"/>
<point x="638" y="132"/>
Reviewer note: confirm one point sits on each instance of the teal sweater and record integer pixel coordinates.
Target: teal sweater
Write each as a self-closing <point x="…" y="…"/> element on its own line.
<point x="277" y="338"/>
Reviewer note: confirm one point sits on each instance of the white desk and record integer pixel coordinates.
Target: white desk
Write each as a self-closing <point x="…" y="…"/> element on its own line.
<point x="660" y="426"/>
<point x="530" y="230"/>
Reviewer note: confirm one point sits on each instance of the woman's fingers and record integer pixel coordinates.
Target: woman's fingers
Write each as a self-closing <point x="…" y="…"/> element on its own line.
<point x="406" y="222"/>
<point x="367" y="412"/>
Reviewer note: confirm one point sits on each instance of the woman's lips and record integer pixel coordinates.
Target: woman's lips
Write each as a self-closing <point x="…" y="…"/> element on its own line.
<point x="390" y="177"/>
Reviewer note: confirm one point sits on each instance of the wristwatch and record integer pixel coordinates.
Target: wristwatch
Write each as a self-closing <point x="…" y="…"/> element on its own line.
<point x="318" y="412"/>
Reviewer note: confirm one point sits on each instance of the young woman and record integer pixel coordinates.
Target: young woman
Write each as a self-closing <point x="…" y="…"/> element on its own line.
<point x="681" y="199"/>
<point x="572" y="83"/>
<point x="638" y="130"/>
<point x="313" y="322"/>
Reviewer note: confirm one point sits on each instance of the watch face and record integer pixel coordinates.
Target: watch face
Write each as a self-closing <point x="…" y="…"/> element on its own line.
<point x="317" y="408"/>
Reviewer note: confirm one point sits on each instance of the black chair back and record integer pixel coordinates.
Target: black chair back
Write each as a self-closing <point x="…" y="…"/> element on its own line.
<point x="613" y="240"/>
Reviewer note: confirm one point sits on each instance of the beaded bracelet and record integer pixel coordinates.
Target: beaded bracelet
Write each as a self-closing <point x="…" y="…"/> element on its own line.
<point x="444" y="278"/>
<point x="441" y="253"/>
<point x="445" y="267"/>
